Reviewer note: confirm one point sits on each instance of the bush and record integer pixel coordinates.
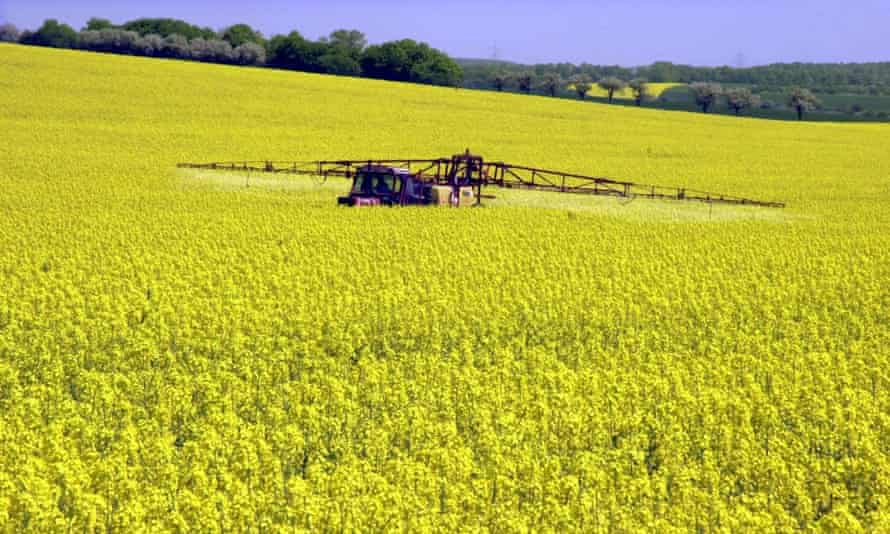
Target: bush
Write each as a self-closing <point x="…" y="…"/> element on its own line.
<point x="89" y="40"/>
<point x="119" y="41"/>
<point x="249" y="54"/>
<point x="150" y="45"/>
<point x="110" y="40"/>
<point x="9" y="33"/>
<point x="176" y="46"/>
<point x="211" y="50"/>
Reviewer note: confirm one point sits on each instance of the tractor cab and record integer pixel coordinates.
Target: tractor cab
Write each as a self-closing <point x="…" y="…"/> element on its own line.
<point x="457" y="183"/>
<point x="375" y="185"/>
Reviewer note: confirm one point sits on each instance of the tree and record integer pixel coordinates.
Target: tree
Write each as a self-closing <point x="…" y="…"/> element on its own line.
<point x="437" y="69"/>
<point x="551" y="83"/>
<point x="802" y="100"/>
<point x="165" y="27"/>
<point x="741" y="99"/>
<point x="97" y="24"/>
<point x="350" y="42"/>
<point x="640" y="89"/>
<point x="238" y="34"/>
<point x="343" y="50"/>
<point x="387" y="61"/>
<point x="292" y="51"/>
<point x="339" y="62"/>
<point x="582" y="85"/>
<point x="408" y="60"/>
<point x="53" y="34"/>
<point x="662" y="71"/>
<point x="706" y="94"/>
<point x="9" y="33"/>
<point x="500" y="79"/>
<point x="525" y="80"/>
<point x="610" y="84"/>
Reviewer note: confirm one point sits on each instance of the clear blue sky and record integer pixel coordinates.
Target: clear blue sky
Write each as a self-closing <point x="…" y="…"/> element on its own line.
<point x="626" y="32"/>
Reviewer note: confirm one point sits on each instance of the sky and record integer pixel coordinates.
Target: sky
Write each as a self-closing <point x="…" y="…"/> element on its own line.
<point x="613" y="32"/>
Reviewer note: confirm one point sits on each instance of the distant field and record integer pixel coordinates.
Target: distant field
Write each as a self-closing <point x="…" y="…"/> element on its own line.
<point x="655" y="90"/>
<point x="195" y="352"/>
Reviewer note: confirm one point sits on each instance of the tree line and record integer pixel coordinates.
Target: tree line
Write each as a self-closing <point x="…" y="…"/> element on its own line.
<point x="343" y="52"/>
<point x="827" y="78"/>
<point x="738" y="99"/>
<point x="552" y="84"/>
<point x="706" y="94"/>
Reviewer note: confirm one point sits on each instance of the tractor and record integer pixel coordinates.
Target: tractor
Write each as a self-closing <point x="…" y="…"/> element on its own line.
<point x="380" y="185"/>
<point x="458" y="181"/>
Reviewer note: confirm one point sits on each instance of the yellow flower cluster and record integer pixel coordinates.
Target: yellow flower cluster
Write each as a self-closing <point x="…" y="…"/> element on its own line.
<point x="180" y="351"/>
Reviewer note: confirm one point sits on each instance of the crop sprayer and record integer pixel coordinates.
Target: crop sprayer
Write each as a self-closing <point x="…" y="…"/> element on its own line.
<point x="459" y="180"/>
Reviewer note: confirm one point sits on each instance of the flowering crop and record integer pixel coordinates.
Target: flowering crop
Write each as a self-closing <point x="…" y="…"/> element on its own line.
<point x="654" y="90"/>
<point x="181" y="352"/>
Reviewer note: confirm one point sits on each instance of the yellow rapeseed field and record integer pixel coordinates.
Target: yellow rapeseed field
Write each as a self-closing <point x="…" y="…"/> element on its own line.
<point x="654" y="90"/>
<point x="179" y="352"/>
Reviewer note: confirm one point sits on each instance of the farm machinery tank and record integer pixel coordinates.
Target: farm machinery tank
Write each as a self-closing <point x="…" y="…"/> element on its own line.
<point x="458" y="181"/>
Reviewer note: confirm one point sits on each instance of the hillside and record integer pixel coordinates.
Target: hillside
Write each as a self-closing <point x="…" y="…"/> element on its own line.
<point x="181" y="352"/>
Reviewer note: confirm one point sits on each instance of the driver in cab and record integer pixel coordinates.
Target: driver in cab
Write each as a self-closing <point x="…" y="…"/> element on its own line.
<point x="382" y="187"/>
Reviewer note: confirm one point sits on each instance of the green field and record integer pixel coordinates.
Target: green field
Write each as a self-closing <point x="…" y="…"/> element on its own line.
<point x="181" y="352"/>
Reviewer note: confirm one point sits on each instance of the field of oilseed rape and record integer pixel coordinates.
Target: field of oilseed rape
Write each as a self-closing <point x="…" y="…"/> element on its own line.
<point x="180" y="352"/>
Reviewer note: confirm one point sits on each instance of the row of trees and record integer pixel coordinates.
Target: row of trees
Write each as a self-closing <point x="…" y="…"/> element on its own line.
<point x="708" y="94"/>
<point x="553" y="84"/>
<point x="148" y="37"/>
<point x="853" y="78"/>
<point x="343" y="52"/>
<point x="346" y="52"/>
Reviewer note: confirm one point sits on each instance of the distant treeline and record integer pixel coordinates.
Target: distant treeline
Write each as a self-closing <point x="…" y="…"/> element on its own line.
<point x="344" y="52"/>
<point x="827" y="78"/>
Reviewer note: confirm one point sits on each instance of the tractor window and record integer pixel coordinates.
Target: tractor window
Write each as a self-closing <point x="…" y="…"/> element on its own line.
<point x="382" y="184"/>
<point x="386" y="184"/>
<point x="361" y="184"/>
<point x="373" y="183"/>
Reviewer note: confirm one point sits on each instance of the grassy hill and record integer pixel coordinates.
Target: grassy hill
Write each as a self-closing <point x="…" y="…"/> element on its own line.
<point x="181" y="352"/>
